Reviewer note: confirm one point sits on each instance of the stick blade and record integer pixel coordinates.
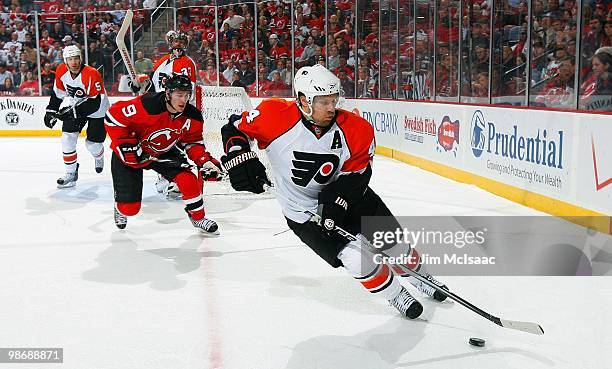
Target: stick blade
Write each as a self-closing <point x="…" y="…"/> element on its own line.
<point x="528" y="327"/>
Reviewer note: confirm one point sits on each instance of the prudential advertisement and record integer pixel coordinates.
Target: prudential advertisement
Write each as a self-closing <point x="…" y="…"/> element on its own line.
<point x="530" y="151"/>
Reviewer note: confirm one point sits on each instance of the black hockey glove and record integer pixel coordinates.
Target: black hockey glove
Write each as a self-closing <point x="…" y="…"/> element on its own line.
<point x="50" y="118"/>
<point x="245" y="170"/>
<point x="131" y="153"/>
<point x="67" y="114"/>
<point x="333" y="210"/>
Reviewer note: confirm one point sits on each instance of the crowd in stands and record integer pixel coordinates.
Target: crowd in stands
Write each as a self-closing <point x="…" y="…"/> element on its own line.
<point x="473" y="61"/>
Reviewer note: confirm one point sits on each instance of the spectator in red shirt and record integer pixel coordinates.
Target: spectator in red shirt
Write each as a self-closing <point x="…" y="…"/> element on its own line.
<point x="277" y="87"/>
<point x="280" y="22"/>
<point x="277" y="47"/>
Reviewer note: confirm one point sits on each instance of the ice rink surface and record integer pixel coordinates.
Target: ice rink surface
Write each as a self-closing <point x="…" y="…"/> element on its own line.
<point x="158" y="295"/>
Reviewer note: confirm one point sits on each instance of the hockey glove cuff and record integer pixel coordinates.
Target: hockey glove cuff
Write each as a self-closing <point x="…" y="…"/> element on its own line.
<point x="245" y="170"/>
<point x="131" y="153"/>
<point x="333" y="209"/>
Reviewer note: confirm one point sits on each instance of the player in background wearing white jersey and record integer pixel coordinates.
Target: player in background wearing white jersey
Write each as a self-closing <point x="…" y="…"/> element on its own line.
<point x="78" y="98"/>
<point x="321" y="158"/>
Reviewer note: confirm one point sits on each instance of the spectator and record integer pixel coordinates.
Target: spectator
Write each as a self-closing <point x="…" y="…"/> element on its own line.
<point x="277" y="47"/>
<point x="277" y="87"/>
<point x="247" y="76"/>
<point x="333" y="60"/>
<point x="143" y="65"/>
<point x="5" y="36"/>
<point x="47" y="78"/>
<point x="559" y="91"/>
<point x="13" y="42"/>
<point x="233" y="20"/>
<point x="30" y="53"/>
<point x="94" y="55"/>
<point x="20" y="31"/>
<point x="601" y="68"/>
<point x="309" y="50"/>
<point x="29" y="86"/>
<point x="348" y="85"/>
<point x="236" y="82"/>
<point x="20" y="76"/>
<point x="209" y="75"/>
<point x="5" y="74"/>
<point x="76" y="33"/>
<point x="281" y="68"/>
<point x="55" y="54"/>
<point x="58" y="32"/>
<point x="593" y="39"/>
<point x="7" y="86"/>
<point x="11" y="57"/>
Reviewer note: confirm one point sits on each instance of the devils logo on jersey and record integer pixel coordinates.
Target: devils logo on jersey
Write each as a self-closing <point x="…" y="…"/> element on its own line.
<point x="308" y="166"/>
<point x="164" y="139"/>
<point x="75" y="91"/>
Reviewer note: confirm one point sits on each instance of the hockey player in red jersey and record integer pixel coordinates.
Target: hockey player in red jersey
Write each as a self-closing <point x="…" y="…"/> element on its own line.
<point x="321" y="158"/>
<point x="78" y="98"/>
<point x="175" y="62"/>
<point x="151" y="132"/>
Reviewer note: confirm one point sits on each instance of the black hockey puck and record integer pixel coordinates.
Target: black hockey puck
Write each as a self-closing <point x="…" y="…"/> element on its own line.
<point x="478" y="342"/>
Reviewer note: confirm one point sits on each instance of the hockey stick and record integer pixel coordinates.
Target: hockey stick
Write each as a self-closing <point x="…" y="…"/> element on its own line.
<point x="528" y="327"/>
<point x="123" y="50"/>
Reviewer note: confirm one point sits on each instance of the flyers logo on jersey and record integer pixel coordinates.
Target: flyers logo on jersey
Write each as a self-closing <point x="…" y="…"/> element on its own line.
<point x="75" y="91"/>
<point x="163" y="77"/>
<point x="308" y="166"/>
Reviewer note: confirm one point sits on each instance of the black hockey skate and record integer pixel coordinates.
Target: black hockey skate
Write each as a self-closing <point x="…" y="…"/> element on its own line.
<point x="427" y="289"/>
<point x="99" y="165"/>
<point x="120" y="219"/>
<point x="69" y="179"/>
<point x="407" y="305"/>
<point x="206" y="225"/>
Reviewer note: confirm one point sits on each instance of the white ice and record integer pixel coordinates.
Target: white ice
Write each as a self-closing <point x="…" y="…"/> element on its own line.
<point x="159" y="295"/>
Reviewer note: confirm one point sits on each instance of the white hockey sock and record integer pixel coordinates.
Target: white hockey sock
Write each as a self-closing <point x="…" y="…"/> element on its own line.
<point x="69" y="142"/>
<point x="95" y="148"/>
<point x="376" y="278"/>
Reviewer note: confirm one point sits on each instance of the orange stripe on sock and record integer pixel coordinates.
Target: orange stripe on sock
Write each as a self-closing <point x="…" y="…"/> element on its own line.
<point x="377" y="279"/>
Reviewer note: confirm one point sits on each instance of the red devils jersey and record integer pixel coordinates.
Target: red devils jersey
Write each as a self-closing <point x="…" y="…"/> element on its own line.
<point x="166" y="66"/>
<point x="146" y="120"/>
<point x="87" y="84"/>
<point x="302" y="163"/>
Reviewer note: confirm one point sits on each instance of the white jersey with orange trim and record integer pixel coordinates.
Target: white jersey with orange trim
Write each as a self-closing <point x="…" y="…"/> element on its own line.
<point x="167" y="66"/>
<point x="302" y="163"/>
<point x="88" y="84"/>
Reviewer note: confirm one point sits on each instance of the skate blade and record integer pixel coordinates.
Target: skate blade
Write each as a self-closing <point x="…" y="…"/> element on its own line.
<point x="67" y="185"/>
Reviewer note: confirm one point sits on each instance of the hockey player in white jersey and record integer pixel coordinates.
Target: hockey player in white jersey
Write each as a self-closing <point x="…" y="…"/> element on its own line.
<point x="78" y="98"/>
<point x="321" y="158"/>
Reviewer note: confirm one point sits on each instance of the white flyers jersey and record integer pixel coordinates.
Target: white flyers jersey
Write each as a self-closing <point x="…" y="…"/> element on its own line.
<point x="166" y="66"/>
<point x="88" y="84"/>
<point x="303" y="164"/>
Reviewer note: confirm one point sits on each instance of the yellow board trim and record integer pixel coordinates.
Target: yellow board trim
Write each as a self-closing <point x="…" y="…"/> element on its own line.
<point x="32" y="133"/>
<point x="572" y="213"/>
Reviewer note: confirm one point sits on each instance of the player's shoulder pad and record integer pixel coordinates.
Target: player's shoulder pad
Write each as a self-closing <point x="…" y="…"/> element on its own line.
<point x="193" y="113"/>
<point x="90" y="70"/>
<point x="359" y="132"/>
<point x="160" y="61"/>
<point x="61" y="69"/>
<point x="352" y="122"/>
<point x="154" y="102"/>
<point x="274" y="105"/>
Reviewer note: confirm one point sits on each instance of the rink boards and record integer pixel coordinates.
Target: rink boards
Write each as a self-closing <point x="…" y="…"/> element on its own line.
<point x="558" y="162"/>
